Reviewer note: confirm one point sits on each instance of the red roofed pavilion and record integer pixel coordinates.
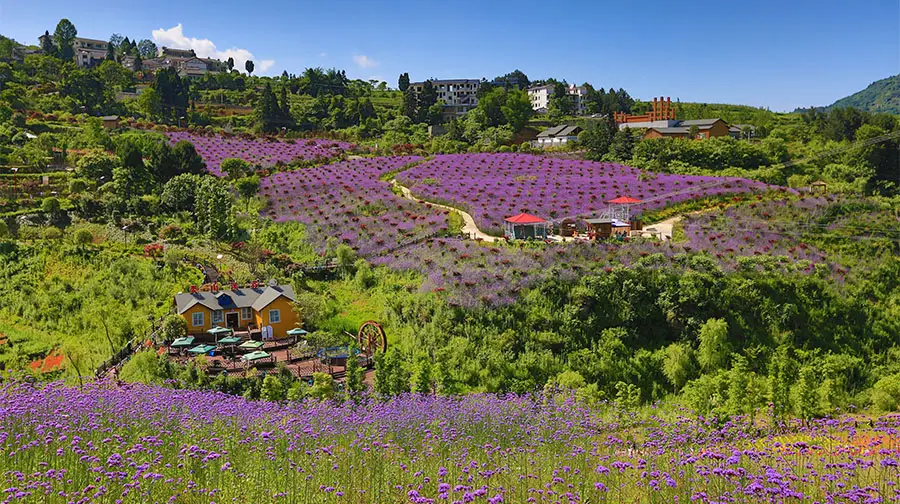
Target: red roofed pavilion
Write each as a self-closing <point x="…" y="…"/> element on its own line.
<point x="524" y="218"/>
<point x="624" y="200"/>
<point x="524" y="226"/>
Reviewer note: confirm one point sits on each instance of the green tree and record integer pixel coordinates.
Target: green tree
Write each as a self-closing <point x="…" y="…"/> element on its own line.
<point x="97" y="166"/>
<point x="403" y="82"/>
<point x="48" y="48"/>
<point x="807" y="392"/>
<point x="186" y="159"/>
<point x="596" y="138"/>
<point x="179" y="193"/>
<point x="410" y="104"/>
<point x="517" y="109"/>
<point x="64" y="38"/>
<point x="713" y="351"/>
<point x="86" y="88"/>
<point x="249" y="67"/>
<point x="247" y="187"/>
<point x="780" y="381"/>
<point x="172" y="327"/>
<point x="423" y="379"/>
<point x="235" y="168"/>
<point x="147" y="49"/>
<point x="886" y="393"/>
<point x="425" y="100"/>
<point x="322" y="387"/>
<point x="214" y="208"/>
<point x="83" y="238"/>
<point x="267" y="111"/>
<point x="149" y="105"/>
<point x="230" y="63"/>
<point x="4" y="230"/>
<point x="355" y="374"/>
<point x="678" y="365"/>
<point x="272" y="389"/>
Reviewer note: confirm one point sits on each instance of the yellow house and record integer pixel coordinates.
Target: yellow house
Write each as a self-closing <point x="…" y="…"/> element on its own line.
<point x="250" y="308"/>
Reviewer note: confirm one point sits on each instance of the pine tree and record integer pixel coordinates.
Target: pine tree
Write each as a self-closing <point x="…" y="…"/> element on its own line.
<point x="64" y="38"/>
<point x="48" y="48"/>
<point x="403" y="82"/>
<point x="410" y="104"/>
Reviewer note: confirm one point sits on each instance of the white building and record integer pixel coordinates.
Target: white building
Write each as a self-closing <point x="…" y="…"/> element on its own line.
<point x="540" y="98"/>
<point x="459" y="95"/>
<point x="89" y="52"/>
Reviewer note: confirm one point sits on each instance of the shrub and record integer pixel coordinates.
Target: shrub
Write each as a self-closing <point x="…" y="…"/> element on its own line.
<point x="886" y="393"/>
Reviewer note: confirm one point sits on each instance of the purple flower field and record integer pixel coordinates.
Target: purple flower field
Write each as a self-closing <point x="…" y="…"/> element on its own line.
<point x="214" y="149"/>
<point x="137" y="444"/>
<point x="759" y="236"/>
<point x="492" y="187"/>
<point x="347" y="201"/>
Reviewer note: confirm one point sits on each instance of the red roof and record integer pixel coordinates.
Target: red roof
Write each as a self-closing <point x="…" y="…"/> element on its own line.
<point x="524" y="218"/>
<point x="624" y="200"/>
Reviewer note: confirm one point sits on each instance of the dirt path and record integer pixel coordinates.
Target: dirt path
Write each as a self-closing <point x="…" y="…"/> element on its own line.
<point x="469" y="226"/>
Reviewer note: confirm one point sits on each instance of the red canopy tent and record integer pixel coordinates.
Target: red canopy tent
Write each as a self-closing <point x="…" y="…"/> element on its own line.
<point x="624" y="200"/>
<point x="524" y="218"/>
<point x="524" y="226"/>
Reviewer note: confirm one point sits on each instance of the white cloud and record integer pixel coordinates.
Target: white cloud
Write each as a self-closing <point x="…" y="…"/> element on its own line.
<point x="174" y="37"/>
<point x="323" y="54"/>
<point x="364" y="61"/>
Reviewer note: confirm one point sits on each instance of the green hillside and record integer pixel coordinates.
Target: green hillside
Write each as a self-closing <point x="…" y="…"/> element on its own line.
<point x="879" y="96"/>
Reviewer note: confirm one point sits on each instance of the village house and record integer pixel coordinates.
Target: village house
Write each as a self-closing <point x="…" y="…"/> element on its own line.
<point x="239" y="308"/>
<point x="89" y="52"/>
<point x="557" y="136"/>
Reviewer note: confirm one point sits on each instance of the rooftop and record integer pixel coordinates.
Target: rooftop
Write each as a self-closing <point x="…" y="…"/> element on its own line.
<point x="257" y="298"/>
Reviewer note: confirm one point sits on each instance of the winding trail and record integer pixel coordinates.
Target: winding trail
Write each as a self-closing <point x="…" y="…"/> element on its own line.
<point x="663" y="228"/>
<point x="469" y="226"/>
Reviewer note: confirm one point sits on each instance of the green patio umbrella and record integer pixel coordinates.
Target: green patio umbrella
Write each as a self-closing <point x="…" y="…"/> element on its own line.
<point x="251" y="345"/>
<point x="185" y="341"/>
<point x="297" y="332"/>
<point x="218" y="331"/>
<point x="253" y="356"/>
<point x="229" y="340"/>
<point x="202" y="349"/>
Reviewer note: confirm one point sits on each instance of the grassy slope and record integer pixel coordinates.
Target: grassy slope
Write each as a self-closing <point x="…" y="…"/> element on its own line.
<point x="880" y="96"/>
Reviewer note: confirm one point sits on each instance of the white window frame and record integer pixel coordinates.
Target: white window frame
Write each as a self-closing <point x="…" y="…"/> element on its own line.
<point x="277" y="314"/>
<point x="218" y="316"/>
<point x="246" y="311"/>
<point x="194" y="319"/>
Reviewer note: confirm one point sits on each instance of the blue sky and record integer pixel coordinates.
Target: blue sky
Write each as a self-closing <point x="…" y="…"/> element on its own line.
<point x="777" y="54"/>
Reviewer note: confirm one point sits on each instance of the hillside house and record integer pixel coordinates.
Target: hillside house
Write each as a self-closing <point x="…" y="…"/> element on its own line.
<point x="557" y="136"/>
<point x="89" y="52"/>
<point x="239" y="308"/>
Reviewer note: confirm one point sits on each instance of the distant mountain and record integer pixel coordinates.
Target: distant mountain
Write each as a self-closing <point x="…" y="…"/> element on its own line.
<point x="880" y="96"/>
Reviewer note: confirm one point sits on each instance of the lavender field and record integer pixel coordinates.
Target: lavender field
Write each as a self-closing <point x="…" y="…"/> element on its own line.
<point x="263" y="152"/>
<point x="741" y="238"/>
<point x="494" y="186"/>
<point x="346" y="201"/>
<point x="138" y="443"/>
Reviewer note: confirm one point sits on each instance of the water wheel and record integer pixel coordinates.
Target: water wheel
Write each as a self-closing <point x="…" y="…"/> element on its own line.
<point x="371" y="338"/>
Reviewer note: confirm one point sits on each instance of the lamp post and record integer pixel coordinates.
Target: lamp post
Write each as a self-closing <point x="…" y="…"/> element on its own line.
<point x="15" y="184"/>
<point x="125" y="231"/>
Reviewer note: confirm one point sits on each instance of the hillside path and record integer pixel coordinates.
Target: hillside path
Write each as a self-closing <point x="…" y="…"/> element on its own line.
<point x="469" y="226"/>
